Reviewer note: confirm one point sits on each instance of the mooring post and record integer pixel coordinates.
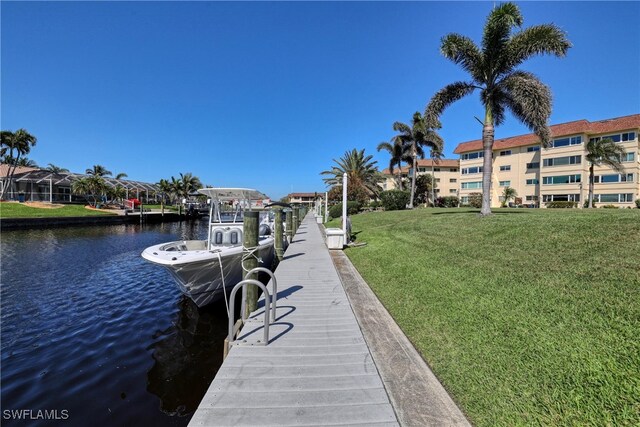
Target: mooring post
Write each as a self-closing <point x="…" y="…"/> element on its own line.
<point x="295" y="221"/>
<point x="250" y="256"/>
<point x="289" y="225"/>
<point x="278" y="233"/>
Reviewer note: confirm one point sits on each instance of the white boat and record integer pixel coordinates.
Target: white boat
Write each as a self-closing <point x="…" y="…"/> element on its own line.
<point x="207" y="270"/>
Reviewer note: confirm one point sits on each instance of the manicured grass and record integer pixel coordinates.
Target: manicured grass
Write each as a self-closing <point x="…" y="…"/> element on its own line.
<point x="528" y="317"/>
<point x="20" y="210"/>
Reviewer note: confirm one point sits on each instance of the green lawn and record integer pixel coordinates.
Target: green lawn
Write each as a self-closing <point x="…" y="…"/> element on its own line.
<point x="528" y="317"/>
<point x="19" y="210"/>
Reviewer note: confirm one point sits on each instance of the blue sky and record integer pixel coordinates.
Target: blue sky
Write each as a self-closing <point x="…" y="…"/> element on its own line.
<point x="266" y="94"/>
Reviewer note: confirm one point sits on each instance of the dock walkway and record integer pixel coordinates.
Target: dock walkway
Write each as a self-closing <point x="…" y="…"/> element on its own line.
<point x="317" y="369"/>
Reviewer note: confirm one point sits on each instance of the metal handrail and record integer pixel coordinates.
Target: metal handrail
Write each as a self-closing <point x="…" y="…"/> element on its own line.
<point x="274" y="294"/>
<point x="267" y="298"/>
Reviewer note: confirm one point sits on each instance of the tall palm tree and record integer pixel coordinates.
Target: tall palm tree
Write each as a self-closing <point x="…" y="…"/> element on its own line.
<point x="121" y="175"/>
<point x="507" y="194"/>
<point x="189" y="183"/>
<point x="415" y="139"/>
<point x="98" y="170"/>
<point x="493" y="70"/>
<point x="91" y="186"/>
<point x="398" y="155"/>
<point x="56" y="169"/>
<point x="603" y="152"/>
<point x="13" y="145"/>
<point x="362" y="172"/>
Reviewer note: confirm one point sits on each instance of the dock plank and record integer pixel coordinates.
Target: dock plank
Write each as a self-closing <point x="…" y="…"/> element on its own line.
<point x="317" y="369"/>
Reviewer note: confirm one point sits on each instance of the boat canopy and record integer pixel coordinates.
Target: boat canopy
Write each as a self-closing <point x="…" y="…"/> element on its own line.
<point x="231" y="194"/>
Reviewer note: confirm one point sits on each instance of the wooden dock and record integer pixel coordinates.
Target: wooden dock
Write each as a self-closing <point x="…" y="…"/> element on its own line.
<point x="317" y="369"/>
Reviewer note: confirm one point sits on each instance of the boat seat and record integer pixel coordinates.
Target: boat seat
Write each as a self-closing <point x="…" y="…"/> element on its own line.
<point x="218" y="237"/>
<point x="232" y="237"/>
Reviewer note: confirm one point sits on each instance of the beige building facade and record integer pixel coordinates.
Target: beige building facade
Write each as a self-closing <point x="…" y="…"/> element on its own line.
<point x="560" y="172"/>
<point x="445" y="171"/>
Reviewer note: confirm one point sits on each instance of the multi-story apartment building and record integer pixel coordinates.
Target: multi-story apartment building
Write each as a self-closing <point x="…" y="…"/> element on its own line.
<point x="560" y="172"/>
<point x="445" y="172"/>
<point x="304" y="198"/>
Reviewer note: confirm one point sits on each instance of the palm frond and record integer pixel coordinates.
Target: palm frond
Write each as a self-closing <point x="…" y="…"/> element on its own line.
<point x="537" y="40"/>
<point x="442" y="99"/>
<point x="605" y="152"/>
<point x="496" y="34"/>
<point x="464" y="52"/>
<point x="530" y="101"/>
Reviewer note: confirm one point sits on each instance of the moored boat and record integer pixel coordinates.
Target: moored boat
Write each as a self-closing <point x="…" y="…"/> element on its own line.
<point x="207" y="270"/>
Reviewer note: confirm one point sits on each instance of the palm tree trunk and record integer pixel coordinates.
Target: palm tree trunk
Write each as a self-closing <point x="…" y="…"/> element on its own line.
<point x="591" y="186"/>
<point x="487" y="144"/>
<point x="413" y="179"/>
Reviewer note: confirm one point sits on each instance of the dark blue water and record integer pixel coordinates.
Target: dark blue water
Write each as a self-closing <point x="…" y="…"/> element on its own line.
<point x="90" y="328"/>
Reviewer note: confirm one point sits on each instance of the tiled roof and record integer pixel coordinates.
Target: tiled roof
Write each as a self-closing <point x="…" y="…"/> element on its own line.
<point x="443" y="163"/>
<point x="562" y="129"/>
<point x="4" y="169"/>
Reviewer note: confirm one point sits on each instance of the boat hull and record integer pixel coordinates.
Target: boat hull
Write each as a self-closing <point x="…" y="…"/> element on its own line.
<point x="207" y="276"/>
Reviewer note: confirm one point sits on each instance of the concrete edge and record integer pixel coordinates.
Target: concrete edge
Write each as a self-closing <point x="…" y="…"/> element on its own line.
<point x="415" y="393"/>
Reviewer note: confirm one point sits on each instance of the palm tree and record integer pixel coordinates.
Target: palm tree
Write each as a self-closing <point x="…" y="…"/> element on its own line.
<point x="55" y="169"/>
<point x="603" y="152"/>
<point x="502" y="86"/>
<point x="98" y="170"/>
<point x="91" y="186"/>
<point x="18" y="143"/>
<point x="398" y="155"/>
<point x="415" y="138"/>
<point x="362" y="172"/>
<point x="188" y="184"/>
<point x="121" y="175"/>
<point x="507" y="194"/>
<point x="164" y="187"/>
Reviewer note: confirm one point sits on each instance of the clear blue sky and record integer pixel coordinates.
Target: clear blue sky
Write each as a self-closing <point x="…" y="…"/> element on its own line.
<point x="266" y="94"/>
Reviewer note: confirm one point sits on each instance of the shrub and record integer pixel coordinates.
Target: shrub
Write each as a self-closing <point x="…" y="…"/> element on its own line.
<point x="475" y="200"/>
<point x="394" y="200"/>
<point x="447" y="202"/>
<point x="562" y="205"/>
<point x="609" y="207"/>
<point x="375" y="204"/>
<point x="586" y="203"/>
<point x="638" y="203"/>
<point x="353" y="208"/>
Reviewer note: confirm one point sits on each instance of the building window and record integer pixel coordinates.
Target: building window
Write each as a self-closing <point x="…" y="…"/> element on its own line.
<point x="436" y="169"/>
<point x="453" y="191"/>
<point x="533" y="165"/>
<point x="613" y="198"/>
<point x="471" y="156"/>
<point x="561" y="161"/>
<point x="454" y="170"/>
<point x="531" y="198"/>
<point x="505" y="183"/>
<point x="505" y="168"/>
<point x="464" y="200"/>
<point x="607" y="179"/>
<point x="560" y="197"/>
<point x="505" y="153"/>
<point x="471" y="185"/>
<point x="453" y="180"/>
<point x="533" y="181"/>
<point x="619" y="137"/>
<point x="560" y="179"/>
<point x="472" y="170"/>
<point x="629" y="157"/>
<point x="534" y="148"/>
<point x="565" y="142"/>
<point x="422" y="169"/>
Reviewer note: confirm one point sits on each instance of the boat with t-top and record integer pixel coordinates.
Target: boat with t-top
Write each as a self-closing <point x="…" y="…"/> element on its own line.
<point x="206" y="270"/>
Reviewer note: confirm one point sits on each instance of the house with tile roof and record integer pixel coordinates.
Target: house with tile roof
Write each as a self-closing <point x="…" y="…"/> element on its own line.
<point x="559" y="172"/>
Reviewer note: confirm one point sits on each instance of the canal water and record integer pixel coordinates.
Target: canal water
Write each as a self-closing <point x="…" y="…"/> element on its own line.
<point x="93" y="333"/>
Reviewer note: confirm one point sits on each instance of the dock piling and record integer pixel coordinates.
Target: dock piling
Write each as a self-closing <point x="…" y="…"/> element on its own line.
<point x="249" y="257"/>
<point x="278" y="233"/>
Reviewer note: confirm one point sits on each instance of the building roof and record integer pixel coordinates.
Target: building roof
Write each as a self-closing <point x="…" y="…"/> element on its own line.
<point x="563" y="129"/>
<point x="446" y="163"/>
<point x="300" y="195"/>
<point x="4" y="169"/>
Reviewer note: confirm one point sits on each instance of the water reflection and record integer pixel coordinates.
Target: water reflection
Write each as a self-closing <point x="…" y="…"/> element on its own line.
<point x="196" y="338"/>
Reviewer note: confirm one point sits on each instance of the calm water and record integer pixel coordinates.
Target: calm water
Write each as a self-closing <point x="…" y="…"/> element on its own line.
<point x="91" y="328"/>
